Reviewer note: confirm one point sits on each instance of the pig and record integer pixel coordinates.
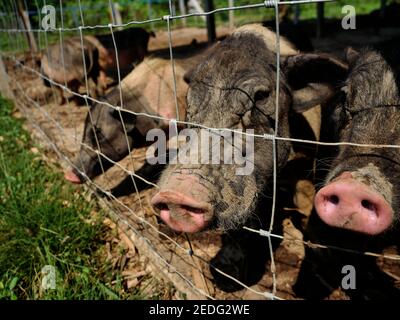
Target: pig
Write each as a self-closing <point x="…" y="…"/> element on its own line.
<point x="359" y="193"/>
<point x="356" y="208"/>
<point x="54" y="61"/>
<point x="100" y="58"/>
<point x="147" y="89"/>
<point x="132" y="45"/>
<point x="234" y="88"/>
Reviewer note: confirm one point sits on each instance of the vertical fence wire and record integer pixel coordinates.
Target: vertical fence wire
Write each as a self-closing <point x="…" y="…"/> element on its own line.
<point x="11" y="26"/>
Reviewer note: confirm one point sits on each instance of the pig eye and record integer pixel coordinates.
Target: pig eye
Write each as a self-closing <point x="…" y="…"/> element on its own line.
<point x="99" y="133"/>
<point x="261" y="97"/>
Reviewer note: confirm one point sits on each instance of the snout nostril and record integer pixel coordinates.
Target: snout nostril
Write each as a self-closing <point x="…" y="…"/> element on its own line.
<point x="334" y="199"/>
<point x="193" y="210"/>
<point x="368" y="205"/>
<point x="162" y="206"/>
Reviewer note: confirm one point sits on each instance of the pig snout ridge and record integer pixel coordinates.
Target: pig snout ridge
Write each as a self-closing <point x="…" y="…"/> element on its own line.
<point x="349" y="204"/>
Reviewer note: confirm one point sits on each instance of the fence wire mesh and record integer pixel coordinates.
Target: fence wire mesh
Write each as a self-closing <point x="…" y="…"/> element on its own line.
<point x="145" y="230"/>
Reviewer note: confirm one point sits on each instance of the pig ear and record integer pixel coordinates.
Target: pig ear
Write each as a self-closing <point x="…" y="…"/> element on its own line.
<point x="188" y="75"/>
<point x="313" y="78"/>
<point x="129" y="119"/>
<point x="141" y="123"/>
<point x="351" y="55"/>
<point x="144" y="124"/>
<point x="310" y="96"/>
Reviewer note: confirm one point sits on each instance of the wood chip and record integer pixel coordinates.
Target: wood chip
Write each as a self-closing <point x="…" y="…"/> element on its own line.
<point x="109" y="223"/>
<point x="133" y="274"/>
<point x="132" y="283"/>
<point x="201" y="281"/>
<point x="126" y="240"/>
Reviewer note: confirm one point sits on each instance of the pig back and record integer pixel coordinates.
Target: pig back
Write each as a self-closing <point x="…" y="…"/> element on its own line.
<point x="153" y="84"/>
<point x="69" y="55"/>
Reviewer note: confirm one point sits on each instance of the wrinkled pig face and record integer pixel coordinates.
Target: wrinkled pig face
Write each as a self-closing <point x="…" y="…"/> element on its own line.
<point x="361" y="189"/>
<point x="103" y="123"/>
<point x="236" y="90"/>
<point x="235" y="87"/>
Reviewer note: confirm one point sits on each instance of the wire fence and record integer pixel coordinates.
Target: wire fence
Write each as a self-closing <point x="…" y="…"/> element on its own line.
<point x="145" y="231"/>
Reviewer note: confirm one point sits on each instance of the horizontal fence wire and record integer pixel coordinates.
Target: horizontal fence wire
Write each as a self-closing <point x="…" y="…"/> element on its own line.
<point x="117" y="203"/>
<point x="267" y="4"/>
<point x="94" y="186"/>
<point x="198" y="125"/>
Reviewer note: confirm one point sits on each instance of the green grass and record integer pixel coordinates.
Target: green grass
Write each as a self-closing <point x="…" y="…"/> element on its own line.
<point x="334" y="9"/>
<point x="44" y="221"/>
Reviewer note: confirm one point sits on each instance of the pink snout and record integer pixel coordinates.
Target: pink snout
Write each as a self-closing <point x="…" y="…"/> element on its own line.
<point x="183" y="204"/>
<point x="72" y="177"/>
<point x="349" y="204"/>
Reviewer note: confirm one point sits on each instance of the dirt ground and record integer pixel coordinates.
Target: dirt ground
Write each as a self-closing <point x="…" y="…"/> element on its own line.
<point x="168" y="259"/>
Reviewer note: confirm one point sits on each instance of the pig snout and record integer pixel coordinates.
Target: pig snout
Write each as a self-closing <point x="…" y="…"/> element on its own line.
<point x="349" y="204"/>
<point x="183" y="204"/>
<point x="71" y="176"/>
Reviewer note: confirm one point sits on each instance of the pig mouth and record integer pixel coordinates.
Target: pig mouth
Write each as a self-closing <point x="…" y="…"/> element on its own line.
<point x="181" y="212"/>
<point x="349" y="204"/>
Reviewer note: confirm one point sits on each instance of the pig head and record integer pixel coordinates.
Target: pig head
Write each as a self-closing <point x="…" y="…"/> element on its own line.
<point x="361" y="189"/>
<point x="235" y="88"/>
<point x="147" y="95"/>
<point x="104" y="131"/>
